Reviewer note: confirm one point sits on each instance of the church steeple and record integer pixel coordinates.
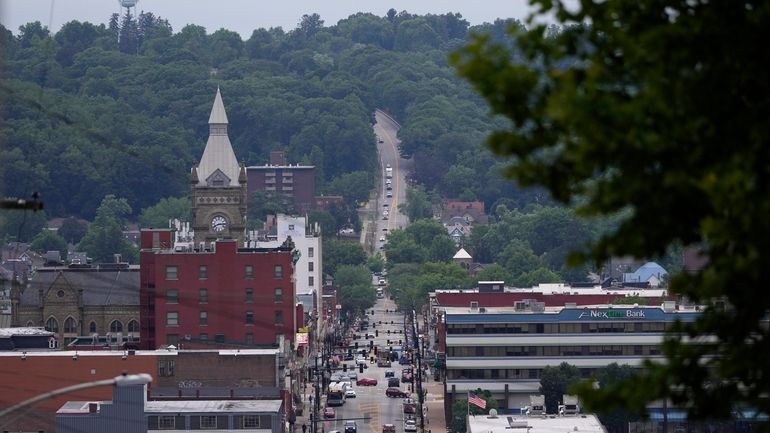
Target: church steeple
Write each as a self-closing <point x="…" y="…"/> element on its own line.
<point x="218" y="165"/>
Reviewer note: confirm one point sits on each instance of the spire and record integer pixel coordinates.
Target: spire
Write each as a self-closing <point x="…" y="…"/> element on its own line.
<point x="218" y="165"/>
<point x="218" y="115"/>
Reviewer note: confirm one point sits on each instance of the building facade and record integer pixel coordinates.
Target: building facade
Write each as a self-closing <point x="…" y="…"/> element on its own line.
<point x="294" y="181"/>
<point x="221" y="295"/>
<point x="504" y="349"/>
<point x="81" y="300"/>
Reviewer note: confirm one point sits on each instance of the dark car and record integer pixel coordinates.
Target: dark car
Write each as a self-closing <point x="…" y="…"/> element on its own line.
<point x="350" y="427"/>
<point x="393" y="382"/>
<point x="390" y="373"/>
<point x="388" y="428"/>
<point x="396" y="392"/>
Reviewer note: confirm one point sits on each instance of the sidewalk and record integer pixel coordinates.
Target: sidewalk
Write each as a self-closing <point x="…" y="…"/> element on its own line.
<point x="435" y="422"/>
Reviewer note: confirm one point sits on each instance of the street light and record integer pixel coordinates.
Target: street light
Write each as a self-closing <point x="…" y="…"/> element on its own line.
<point x="122" y="380"/>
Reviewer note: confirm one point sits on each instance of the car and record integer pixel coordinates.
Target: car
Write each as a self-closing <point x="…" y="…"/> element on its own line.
<point x="329" y="413"/>
<point x="382" y="281"/>
<point x="385" y="205"/>
<point x="390" y="373"/>
<point x="369" y="335"/>
<point x="366" y="381"/>
<point x="388" y="181"/>
<point x="388" y="428"/>
<point x="350" y="393"/>
<point x="350" y="426"/>
<point x="380" y="141"/>
<point x="348" y="357"/>
<point x="385" y="217"/>
<point x="389" y="187"/>
<point x="384" y="229"/>
<point x="389" y="194"/>
<point x="410" y="425"/>
<point x="353" y="375"/>
<point x="387" y="165"/>
<point x="393" y="382"/>
<point x="396" y="392"/>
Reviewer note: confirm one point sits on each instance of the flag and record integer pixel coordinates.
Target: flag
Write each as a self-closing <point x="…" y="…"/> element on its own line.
<point x="476" y="401"/>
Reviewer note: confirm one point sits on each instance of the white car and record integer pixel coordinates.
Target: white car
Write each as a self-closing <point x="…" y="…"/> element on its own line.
<point x="350" y="393"/>
<point x="382" y="238"/>
<point x="410" y="425"/>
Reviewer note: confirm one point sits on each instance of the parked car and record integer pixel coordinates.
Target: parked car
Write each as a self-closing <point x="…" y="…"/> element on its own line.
<point x="366" y="381"/>
<point x="382" y="238"/>
<point x="350" y="426"/>
<point x="329" y="413"/>
<point x="396" y="392"/>
<point x="350" y="393"/>
<point x="393" y="382"/>
<point x="410" y="425"/>
<point x="390" y="373"/>
<point x="389" y="194"/>
<point x="388" y="428"/>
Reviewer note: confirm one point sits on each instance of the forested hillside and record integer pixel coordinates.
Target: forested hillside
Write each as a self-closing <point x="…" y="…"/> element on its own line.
<point x="121" y="108"/>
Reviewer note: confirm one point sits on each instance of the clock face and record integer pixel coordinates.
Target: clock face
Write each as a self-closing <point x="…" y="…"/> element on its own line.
<point x="218" y="224"/>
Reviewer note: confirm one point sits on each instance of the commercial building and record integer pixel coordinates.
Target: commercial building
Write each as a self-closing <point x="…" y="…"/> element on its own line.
<point x="220" y="295"/>
<point x="504" y="349"/>
<point x="584" y="423"/>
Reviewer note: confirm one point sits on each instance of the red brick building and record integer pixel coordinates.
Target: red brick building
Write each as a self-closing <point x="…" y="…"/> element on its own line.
<point x="221" y="295"/>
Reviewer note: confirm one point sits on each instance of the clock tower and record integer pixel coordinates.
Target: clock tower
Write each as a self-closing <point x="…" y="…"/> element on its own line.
<point x="218" y="185"/>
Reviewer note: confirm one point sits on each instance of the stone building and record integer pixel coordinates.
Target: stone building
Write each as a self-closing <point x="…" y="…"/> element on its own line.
<point x="81" y="300"/>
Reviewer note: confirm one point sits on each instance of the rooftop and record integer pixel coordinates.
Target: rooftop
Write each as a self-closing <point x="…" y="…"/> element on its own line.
<point x="158" y="352"/>
<point x="12" y="332"/>
<point x="534" y="424"/>
<point x="231" y="406"/>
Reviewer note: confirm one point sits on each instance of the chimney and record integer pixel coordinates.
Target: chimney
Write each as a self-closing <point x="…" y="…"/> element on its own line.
<point x="277" y="157"/>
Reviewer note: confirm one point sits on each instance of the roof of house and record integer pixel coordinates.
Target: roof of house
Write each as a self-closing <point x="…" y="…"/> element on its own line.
<point x="100" y="286"/>
<point x="462" y="254"/>
<point x="645" y="272"/>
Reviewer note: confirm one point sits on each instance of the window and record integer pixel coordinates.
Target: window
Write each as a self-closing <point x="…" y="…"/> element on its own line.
<point x="172" y="296"/>
<point x="219" y="338"/>
<point x="133" y="326"/>
<point x="278" y="271"/>
<point x="249" y="271"/>
<point x="279" y="317"/>
<point x="204" y="318"/>
<point x="172" y="340"/>
<point x="251" y="421"/>
<point x="69" y="326"/>
<point x="52" y="325"/>
<point x="310" y="252"/>
<point x="203" y="337"/>
<point x="291" y="227"/>
<point x="92" y="327"/>
<point x="172" y="318"/>
<point x="172" y="273"/>
<point x="249" y="318"/>
<point x="249" y="338"/>
<point x="203" y="272"/>
<point x="166" y="422"/>
<point x="166" y="367"/>
<point x="116" y="326"/>
<point x="310" y="266"/>
<point x="203" y="295"/>
<point x="208" y="421"/>
<point x="278" y="294"/>
<point x="310" y="280"/>
<point x="249" y="295"/>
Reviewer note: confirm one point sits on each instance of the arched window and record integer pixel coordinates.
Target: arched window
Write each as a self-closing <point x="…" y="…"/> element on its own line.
<point x="52" y="325"/>
<point x="92" y="327"/>
<point x="133" y="326"/>
<point x="69" y="326"/>
<point x="116" y="326"/>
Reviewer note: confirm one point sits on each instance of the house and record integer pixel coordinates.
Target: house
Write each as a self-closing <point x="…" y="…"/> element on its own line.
<point x="471" y="211"/>
<point x="651" y="273"/>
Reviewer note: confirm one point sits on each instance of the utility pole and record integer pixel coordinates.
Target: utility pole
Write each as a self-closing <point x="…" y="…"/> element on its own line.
<point x="418" y="378"/>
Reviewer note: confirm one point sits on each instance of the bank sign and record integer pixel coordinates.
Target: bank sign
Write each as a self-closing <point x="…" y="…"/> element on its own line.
<point x="611" y="314"/>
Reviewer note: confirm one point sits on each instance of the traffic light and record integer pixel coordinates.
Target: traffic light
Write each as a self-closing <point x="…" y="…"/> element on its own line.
<point x="344" y="367"/>
<point x="388" y="331"/>
<point x="361" y="368"/>
<point x="375" y="351"/>
<point x="371" y="344"/>
<point x="356" y="344"/>
<point x="377" y="333"/>
<point x="399" y="342"/>
<point x="388" y="341"/>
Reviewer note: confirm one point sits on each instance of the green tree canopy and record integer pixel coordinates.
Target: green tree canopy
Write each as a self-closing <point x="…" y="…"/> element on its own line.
<point x="355" y="284"/>
<point x="657" y="111"/>
<point x="48" y="240"/>
<point x="104" y="237"/>
<point x="338" y="253"/>
<point x="555" y="382"/>
<point x="158" y="216"/>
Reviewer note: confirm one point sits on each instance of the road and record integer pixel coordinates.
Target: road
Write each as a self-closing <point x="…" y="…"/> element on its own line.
<point x="371" y="401"/>
<point x="386" y="130"/>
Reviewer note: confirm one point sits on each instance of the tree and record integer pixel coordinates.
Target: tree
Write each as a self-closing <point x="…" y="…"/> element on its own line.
<point x="375" y="263"/>
<point x="325" y="220"/>
<point x="554" y="383"/>
<point x="21" y="225"/>
<point x="338" y="253"/>
<point x="615" y="420"/>
<point x="105" y="236"/>
<point x="48" y="240"/>
<point x="169" y="208"/>
<point x="356" y="291"/>
<point x="604" y="116"/>
<point x="418" y="204"/>
<point x="72" y="230"/>
<point x="461" y="409"/>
